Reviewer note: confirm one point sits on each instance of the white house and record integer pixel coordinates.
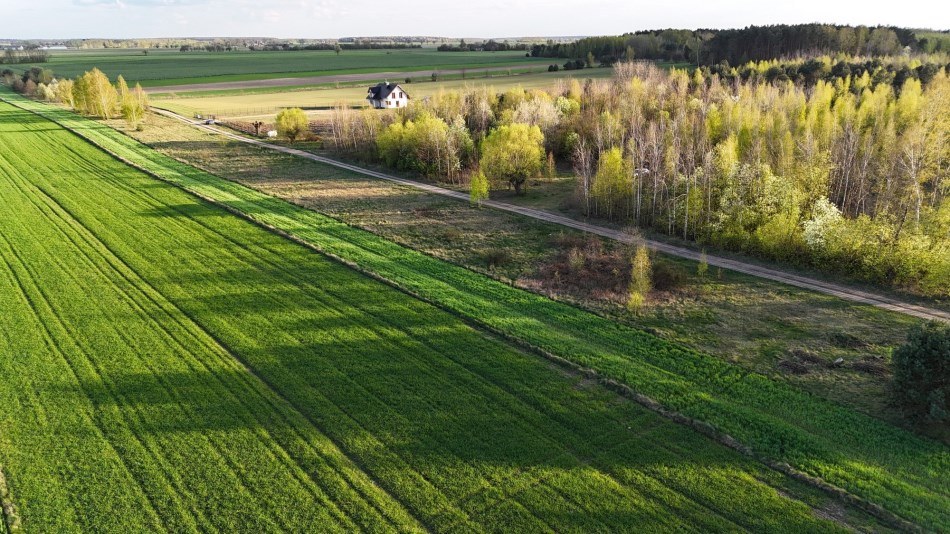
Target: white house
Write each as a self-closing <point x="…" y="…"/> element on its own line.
<point x="387" y="95"/>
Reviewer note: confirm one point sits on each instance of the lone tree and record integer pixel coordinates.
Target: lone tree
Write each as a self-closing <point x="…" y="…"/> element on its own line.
<point x="641" y="278"/>
<point x="479" y="189"/>
<point x="513" y="154"/>
<point x="922" y="372"/>
<point x="292" y="123"/>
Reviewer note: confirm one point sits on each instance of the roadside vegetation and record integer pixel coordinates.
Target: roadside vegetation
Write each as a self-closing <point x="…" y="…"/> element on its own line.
<point x="875" y="461"/>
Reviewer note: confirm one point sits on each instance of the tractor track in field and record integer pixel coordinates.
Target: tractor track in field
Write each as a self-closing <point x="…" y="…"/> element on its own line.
<point x="331" y="78"/>
<point x="829" y="288"/>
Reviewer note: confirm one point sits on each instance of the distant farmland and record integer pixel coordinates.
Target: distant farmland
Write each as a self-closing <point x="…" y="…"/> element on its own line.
<point x="265" y="104"/>
<point x="176" y="368"/>
<point x="171" y="67"/>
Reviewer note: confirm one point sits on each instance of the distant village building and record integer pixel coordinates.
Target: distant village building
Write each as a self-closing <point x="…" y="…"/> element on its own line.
<point x="387" y="95"/>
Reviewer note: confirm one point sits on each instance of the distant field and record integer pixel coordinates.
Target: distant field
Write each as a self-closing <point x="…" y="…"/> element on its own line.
<point x="266" y="104"/>
<point x="171" y="367"/>
<point x="171" y="67"/>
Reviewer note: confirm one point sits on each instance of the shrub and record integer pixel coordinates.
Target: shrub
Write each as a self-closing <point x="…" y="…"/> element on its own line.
<point x="495" y="258"/>
<point x="667" y="277"/>
<point x="922" y="372"/>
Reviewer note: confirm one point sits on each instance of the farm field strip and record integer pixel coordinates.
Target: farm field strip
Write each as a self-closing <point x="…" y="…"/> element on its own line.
<point x="95" y="377"/>
<point x="166" y="68"/>
<point x="869" y="458"/>
<point x="357" y="407"/>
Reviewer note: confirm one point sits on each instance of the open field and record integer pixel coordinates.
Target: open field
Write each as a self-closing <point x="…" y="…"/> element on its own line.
<point x="171" y="67"/>
<point x="870" y="459"/>
<point x="265" y="105"/>
<point x="176" y="368"/>
<point x="761" y="325"/>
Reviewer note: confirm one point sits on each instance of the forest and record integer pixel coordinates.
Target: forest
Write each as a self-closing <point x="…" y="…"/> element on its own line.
<point x="848" y="175"/>
<point x="753" y="43"/>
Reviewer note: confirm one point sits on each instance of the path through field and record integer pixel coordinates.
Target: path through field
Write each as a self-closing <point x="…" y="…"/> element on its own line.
<point x="821" y="286"/>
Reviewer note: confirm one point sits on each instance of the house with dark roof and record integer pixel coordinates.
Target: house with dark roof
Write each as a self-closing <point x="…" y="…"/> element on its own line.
<point x="387" y="95"/>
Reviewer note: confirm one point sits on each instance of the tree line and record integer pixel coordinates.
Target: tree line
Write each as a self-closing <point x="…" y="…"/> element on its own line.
<point x="490" y="45"/>
<point x="27" y="55"/>
<point x="753" y="43"/>
<point x="845" y="176"/>
<point x="91" y="94"/>
<point x="891" y="70"/>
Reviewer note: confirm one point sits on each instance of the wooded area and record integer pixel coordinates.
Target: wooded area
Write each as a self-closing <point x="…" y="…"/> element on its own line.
<point x="753" y="43"/>
<point x="849" y="176"/>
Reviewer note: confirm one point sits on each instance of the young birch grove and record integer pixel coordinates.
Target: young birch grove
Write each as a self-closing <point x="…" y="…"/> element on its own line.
<point x="844" y="173"/>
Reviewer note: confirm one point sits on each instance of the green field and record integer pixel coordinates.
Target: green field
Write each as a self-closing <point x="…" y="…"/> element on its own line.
<point x="254" y="104"/>
<point x="171" y="367"/>
<point x="870" y="459"/>
<point x="171" y="67"/>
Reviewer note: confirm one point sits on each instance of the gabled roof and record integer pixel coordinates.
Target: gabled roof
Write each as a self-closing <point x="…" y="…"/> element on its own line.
<point x="382" y="91"/>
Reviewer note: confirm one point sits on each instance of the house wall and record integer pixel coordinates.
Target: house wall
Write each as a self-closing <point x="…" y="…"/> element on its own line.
<point x="394" y="100"/>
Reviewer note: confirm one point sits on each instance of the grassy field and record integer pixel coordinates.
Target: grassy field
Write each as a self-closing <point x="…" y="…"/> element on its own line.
<point x="766" y="327"/>
<point x="171" y="67"/>
<point x="873" y="460"/>
<point x="264" y="105"/>
<point x="172" y="367"/>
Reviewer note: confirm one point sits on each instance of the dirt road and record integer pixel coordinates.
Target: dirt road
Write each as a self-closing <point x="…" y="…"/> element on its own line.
<point x="837" y="290"/>
<point x="341" y="78"/>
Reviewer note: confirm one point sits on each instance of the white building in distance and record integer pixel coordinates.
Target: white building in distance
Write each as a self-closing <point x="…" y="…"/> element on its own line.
<point x="387" y="95"/>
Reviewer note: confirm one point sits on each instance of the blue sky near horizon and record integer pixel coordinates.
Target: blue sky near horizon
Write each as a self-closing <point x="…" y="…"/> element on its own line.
<point x="482" y="18"/>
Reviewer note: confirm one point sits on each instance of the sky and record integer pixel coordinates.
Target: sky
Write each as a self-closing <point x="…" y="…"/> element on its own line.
<point x="34" y="19"/>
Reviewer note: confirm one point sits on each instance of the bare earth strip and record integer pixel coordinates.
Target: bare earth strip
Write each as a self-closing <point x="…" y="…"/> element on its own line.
<point x="315" y="80"/>
<point x="837" y="290"/>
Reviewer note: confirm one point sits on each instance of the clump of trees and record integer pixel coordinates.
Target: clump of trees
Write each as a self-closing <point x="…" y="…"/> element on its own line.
<point x="892" y="70"/>
<point x="292" y="123"/>
<point x="922" y="372"/>
<point x="427" y="144"/>
<point x="27" y="55"/>
<point x="490" y="45"/>
<point x="91" y="94"/>
<point x="846" y="176"/>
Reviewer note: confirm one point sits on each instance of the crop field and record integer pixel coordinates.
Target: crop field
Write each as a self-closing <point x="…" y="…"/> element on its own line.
<point x="170" y="366"/>
<point x="873" y="460"/>
<point x="266" y="104"/>
<point x="171" y="67"/>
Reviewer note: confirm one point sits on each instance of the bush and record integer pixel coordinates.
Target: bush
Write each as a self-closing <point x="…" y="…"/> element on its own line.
<point x="495" y="258"/>
<point x="922" y="372"/>
<point x="667" y="277"/>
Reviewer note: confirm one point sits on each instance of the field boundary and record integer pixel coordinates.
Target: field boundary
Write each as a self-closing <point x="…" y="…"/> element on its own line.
<point x="11" y="520"/>
<point x="804" y="282"/>
<point x="706" y="429"/>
